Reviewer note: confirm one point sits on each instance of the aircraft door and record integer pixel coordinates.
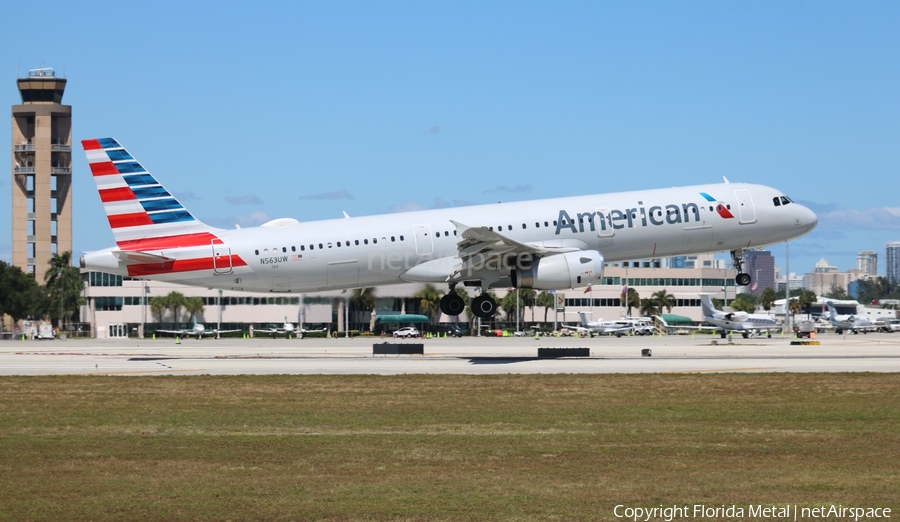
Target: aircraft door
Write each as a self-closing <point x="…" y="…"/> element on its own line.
<point x="221" y="256"/>
<point x="745" y="206"/>
<point x="603" y="223"/>
<point x="424" y="243"/>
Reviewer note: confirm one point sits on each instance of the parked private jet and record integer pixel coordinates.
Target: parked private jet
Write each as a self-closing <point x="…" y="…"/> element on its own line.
<point x="599" y="327"/>
<point x="736" y="321"/>
<point x="851" y="322"/>
<point x="542" y="244"/>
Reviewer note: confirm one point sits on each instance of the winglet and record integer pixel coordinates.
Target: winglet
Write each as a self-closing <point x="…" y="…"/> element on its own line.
<point x="725" y="179"/>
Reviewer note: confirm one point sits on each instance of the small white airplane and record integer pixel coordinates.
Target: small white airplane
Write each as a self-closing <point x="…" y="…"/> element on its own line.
<point x="851" y="322"/>
<point x="736" y="321"/>
<point x="549" y="244"/>
<point x="286" y="328"/>
<point x="599" y="327"/>
<point x="198" y="331"/>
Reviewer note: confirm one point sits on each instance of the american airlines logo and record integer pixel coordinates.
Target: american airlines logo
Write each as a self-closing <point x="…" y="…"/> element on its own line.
<point x="609" y="220"/>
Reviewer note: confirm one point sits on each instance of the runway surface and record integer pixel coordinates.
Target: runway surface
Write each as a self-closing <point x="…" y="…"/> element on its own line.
<point x="469" y="355"/>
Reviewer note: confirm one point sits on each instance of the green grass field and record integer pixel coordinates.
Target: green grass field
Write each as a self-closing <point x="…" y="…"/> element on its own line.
<point x="561" y="447"/>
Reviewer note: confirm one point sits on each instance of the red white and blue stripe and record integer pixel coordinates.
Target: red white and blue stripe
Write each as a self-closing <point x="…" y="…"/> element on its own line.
<point x="136" y="205"/>
<point x="145" y="217"/>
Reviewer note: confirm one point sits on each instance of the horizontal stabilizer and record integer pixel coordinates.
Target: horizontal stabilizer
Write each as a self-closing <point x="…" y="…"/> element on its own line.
<point x="133" y="258"/>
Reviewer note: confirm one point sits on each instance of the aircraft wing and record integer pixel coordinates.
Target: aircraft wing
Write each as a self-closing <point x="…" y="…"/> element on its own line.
<point x="478" y="243"/>
<point x="214" y="332"/>
<point x="176" y="332"/>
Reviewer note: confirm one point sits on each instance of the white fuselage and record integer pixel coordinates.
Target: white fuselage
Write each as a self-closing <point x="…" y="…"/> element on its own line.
<point x="380" y="250"/>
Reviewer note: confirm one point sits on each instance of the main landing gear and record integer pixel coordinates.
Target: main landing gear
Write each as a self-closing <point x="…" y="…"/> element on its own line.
<point x="742" y="278"/>
<point x="453" y="304"/>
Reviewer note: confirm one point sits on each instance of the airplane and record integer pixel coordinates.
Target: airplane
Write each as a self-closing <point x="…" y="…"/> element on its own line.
<point x="198" y="331"/>
<point x="599" y="327"/>
<point x="850" y="322"/>
<point x="736" y="321"/>
<point x="286" y="328"/>
<point x="548" y="244"/>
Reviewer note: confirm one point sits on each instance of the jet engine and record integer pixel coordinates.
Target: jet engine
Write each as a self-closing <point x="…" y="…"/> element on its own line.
<point x="560" y="271"/>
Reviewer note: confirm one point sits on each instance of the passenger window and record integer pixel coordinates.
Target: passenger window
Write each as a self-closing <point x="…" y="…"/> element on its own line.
<point x="547" y="225"/>
<point x="401" y="238"/>
<point x="339" y="244"/>
<point x="266" y="252"/>
<point x="320" y="246"/>
<point x="312" y="247"/>
<point x="537" y="225"/>
<point x="257" y="252"/>
<point x="491" y="229"/>
<point x="437" y="234"/>
<point x="523" y="226"/>
<point x="293" y="249"/>
<point x="374" y="241"/>
<point x="392" y="239"/>
<point x="302" y="248"/>
<point x="366" y="241"/>
<point x="356" y="242"/>
<point x="329" y="244"/>
<point x="284" y="249"/>
<point x="508" y="227"/>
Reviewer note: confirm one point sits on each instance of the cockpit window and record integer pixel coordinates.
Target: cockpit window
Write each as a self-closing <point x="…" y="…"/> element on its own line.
<point x="785" y="200"/>
<point x="777" y="201"/>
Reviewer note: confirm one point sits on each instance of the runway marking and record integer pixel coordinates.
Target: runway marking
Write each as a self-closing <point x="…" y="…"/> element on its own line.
<point x="727" y="370"/>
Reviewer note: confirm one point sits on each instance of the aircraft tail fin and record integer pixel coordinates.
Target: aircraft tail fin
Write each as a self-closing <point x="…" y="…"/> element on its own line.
<point x="832" y="312"/>
<point x="584" y="321"/>
<point x="706" y="305"/>
<point x="137" y="206"/>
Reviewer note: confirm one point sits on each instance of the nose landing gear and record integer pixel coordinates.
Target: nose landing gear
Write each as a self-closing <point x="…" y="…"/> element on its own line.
<point x="742" y="278"/>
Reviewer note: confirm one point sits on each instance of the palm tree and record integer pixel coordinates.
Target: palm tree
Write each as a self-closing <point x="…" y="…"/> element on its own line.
<point x="430" y="301"/>
<point x="649" y="307"/>
<point x="664" y="300"/>
<point x="158" y="305"/>
<point x="527" y="298"/>
<point x="193" y="306"/>
<point x="546" y="300"/>
<point x="508" y="304"/>
<point x="744" y="303"/>
<point x="364" y="299"/>
<point x="65" y="285"/>
<point x="632" y="299"/>
<point x="767" y="298"/>
<point x="174" y="301"/>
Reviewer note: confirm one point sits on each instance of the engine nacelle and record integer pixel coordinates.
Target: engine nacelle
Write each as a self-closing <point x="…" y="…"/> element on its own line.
<point x="560" y="271"/>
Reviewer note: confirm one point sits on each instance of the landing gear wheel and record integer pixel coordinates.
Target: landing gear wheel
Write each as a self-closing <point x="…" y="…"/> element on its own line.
<point x="484" y="307"/>
<point x="452" y="304"/>
<point x="742" y="279"/>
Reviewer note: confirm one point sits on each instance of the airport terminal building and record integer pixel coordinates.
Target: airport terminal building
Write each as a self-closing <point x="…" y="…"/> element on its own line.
<point x="118" y="306"/>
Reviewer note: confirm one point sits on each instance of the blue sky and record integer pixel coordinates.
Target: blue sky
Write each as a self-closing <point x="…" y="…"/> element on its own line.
<point x="253" y="111"/>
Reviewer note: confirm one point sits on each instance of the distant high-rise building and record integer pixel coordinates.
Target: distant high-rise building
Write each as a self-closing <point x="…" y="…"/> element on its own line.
<point x="761" y="266"/>
<point x="42" y="172"/>
<point x="892" y="261"/>
<point x="867" y="263"/>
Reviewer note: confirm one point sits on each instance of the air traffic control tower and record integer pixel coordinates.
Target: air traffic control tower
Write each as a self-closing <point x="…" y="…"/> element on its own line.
<point x="42" y="173"/>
